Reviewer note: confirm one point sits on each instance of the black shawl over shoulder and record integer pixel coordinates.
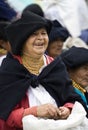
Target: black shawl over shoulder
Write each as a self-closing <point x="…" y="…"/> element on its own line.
<point x="15" y="80"/>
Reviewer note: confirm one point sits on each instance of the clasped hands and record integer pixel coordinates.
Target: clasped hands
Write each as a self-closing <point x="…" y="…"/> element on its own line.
<point x="52" y="112"/>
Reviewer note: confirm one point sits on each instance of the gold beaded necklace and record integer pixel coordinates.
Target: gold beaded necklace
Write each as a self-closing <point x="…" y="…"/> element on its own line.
<point x="3" y="51"/>
<point x="78" y="86"/>
<point x="33" y="65"/>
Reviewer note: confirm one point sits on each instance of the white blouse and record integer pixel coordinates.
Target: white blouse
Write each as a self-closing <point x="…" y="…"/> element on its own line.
<point x="39" y="95"/>
<point x="1" y="59"/>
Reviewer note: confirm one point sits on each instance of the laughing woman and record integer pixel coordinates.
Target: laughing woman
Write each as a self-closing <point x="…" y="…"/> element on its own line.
<point x="30" y="81"/>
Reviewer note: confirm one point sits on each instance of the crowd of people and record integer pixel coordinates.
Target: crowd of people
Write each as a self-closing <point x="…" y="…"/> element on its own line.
<point x="43" y="68"/>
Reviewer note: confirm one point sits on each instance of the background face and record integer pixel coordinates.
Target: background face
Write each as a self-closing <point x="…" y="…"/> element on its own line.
<point x="55" y="48"/>
<point x="80" y="75"/>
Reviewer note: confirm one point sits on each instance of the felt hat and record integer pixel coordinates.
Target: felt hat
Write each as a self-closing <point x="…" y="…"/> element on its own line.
<point x="19" y="30"/>
<point x="35" y="8"/>
<point x="58" y="32"/>
<point x="75" y="57"/>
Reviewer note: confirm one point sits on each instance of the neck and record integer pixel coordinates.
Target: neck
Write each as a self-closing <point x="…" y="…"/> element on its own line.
<point x="3" y="52"/>
<point x="32" y="64"/>
<point x="32" y="58"/>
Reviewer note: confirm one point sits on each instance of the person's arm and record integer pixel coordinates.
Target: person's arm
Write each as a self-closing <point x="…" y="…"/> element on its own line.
<point x="69" y="105"/>
<point x="15" y="118"/>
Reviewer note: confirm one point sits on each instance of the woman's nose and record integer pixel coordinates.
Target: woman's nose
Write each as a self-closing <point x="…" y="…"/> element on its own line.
<point x="40" y="36"/>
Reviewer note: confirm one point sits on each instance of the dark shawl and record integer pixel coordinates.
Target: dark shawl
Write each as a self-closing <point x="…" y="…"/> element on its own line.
<point x="15" y="80"/>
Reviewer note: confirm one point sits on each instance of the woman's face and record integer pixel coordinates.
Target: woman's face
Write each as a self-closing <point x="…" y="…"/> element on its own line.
<point x="55" y="48"/>
<point x="80" y="75"/>
<point x="37" y="43"/>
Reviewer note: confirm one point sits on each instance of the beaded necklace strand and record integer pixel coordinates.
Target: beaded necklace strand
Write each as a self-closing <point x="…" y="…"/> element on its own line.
<point x="32" y="65"/>
<point x="76" y="85"/>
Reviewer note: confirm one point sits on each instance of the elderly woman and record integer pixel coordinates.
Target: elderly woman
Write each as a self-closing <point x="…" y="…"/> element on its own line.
<point x="31" y="83"/>
<point x="76" y="61"/>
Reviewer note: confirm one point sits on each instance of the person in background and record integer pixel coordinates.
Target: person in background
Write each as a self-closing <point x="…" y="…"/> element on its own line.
<point x="57" y="37"/>
<point x="7" y="15"/>
<point x="30" y="81"/>
<point x="6" y="12"/>
<point x="4" y="44"/>
<point x="71" y="14"/>
<point x="76" y="61"/>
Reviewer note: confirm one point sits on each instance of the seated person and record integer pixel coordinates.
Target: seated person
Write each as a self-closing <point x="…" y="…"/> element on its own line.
<point x="76" y="61"/>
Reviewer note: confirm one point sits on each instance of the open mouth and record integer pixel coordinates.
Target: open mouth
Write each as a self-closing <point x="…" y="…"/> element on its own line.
<point x="39" y="44"/>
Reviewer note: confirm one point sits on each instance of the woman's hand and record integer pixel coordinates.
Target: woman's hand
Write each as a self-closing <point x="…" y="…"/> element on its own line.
<point x="52" y="112"/>
<point x="63" y="112"/>
<point x="48" y="111"/>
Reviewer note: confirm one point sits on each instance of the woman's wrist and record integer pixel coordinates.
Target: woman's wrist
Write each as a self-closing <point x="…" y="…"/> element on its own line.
<point x="30" y="111"/>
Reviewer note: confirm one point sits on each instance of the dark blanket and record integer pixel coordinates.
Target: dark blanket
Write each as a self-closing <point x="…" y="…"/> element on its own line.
<point x="15" y="79"/>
